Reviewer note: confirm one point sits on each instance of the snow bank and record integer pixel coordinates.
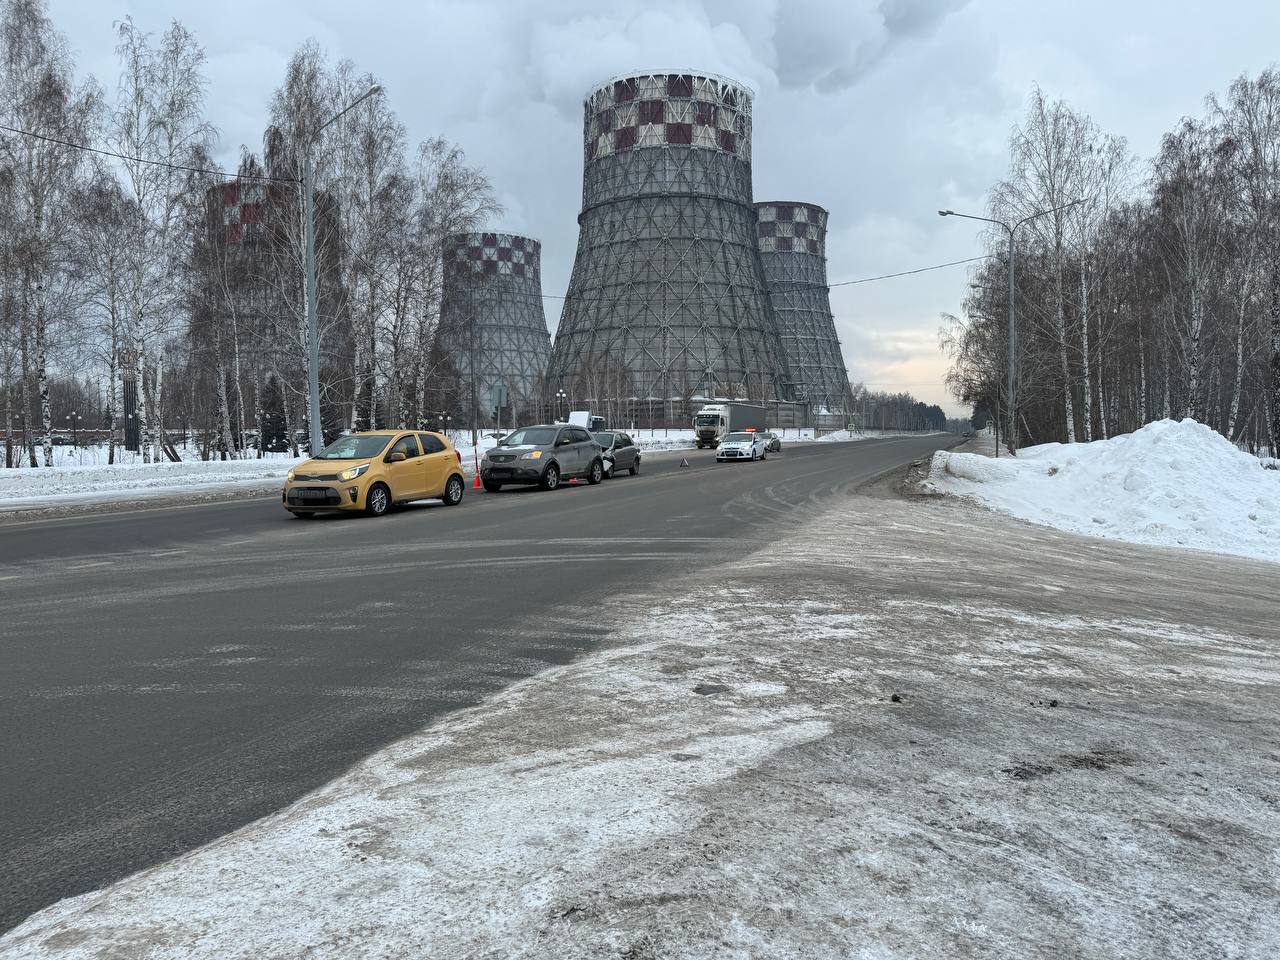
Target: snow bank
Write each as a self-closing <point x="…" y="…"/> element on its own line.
<point x="1169" y="484"/>
<point x="83" y="476"/>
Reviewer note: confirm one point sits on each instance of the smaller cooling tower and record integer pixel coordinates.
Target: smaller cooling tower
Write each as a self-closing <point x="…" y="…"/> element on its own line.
<point x="793" y="249"/>
<point x="491" y="313"/>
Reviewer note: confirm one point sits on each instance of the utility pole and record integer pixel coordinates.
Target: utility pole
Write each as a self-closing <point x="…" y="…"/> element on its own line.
<point x="1011" y="361"/>
<point x="475" y="406"/>
<point x="310" y="283"/>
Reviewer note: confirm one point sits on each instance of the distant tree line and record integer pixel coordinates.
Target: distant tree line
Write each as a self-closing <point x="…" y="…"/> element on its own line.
<point x="124" y="273"/>
<point x="880" y="410"/>
<point x="1156" y="295"/>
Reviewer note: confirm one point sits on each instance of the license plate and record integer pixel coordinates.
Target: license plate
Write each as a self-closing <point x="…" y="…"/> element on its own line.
<point x="313" y="494"/>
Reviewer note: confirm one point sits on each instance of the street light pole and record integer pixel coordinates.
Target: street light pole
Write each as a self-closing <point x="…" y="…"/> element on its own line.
<point x="310" y="284"/>
<point x="1011" y="362"/>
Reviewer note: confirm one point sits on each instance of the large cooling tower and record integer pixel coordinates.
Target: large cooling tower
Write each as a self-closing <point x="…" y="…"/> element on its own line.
<point x="668" y="298"/>
<point x="491" y="311"/>
<point x="793" y="249"/>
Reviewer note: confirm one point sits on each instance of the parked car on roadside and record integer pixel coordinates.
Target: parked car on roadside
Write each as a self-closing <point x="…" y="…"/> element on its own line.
<point x="619" y="452"/>
<point x="543" y="455"/>
<point x="748" y="445"/>
<point x="772" y="442"/>
<point x="374" y="471"/>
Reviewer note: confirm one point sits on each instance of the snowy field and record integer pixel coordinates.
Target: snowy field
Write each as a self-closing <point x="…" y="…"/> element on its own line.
<point x="872" y="756"/>
<point x="1171" y="483"/>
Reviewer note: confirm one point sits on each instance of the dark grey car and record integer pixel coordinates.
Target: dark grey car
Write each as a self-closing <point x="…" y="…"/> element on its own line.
<point x="619" y="452"/>
<point x="543" y="455"/>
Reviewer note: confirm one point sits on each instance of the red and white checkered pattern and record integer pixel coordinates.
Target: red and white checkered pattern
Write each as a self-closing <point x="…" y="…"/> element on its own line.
<point x="242" y="206"/>
<point x="791" y="227"/>
<point x="668" y="109"/>
<point x="498" y="254"/>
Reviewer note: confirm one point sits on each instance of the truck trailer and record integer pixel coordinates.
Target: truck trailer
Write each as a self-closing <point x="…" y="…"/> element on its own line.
<point x="714" y="420"/>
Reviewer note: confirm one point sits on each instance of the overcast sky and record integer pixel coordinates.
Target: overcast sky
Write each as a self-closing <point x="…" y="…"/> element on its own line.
<point x="882" y="111"/>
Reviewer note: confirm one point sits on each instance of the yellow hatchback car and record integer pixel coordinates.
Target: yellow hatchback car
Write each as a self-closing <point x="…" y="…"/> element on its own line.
<point x="375" y="470"/>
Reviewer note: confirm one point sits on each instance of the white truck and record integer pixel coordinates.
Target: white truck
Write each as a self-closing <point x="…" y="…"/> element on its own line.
<point x="584" y="418"/>
<point x="714" y="420"/>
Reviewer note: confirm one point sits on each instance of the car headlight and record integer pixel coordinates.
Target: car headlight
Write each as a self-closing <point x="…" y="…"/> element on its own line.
<point x="353" y="472"/>
<point x="289" y="477"/>
<point x="532" y="455"/>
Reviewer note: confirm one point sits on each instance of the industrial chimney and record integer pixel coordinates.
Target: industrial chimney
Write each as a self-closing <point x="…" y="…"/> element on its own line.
<point x="667" y="300"/>
<point x="793" y="249"/>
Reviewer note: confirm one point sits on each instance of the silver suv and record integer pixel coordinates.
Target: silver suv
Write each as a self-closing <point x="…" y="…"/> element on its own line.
<point x="542" y="455"/>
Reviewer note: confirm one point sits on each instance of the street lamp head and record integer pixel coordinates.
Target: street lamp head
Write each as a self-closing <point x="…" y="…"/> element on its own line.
<point x="945" y="213"/>
<point x="376" y="88"/>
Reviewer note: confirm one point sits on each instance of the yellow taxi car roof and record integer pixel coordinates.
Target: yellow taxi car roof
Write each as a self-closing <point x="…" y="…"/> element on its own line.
<point x="387" y="433"/>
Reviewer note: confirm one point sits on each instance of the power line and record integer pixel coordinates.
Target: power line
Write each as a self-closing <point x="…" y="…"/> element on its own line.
<point x="546" y="296"/>
<point x="841" y="283"/>
<point x="907" y="273"/>
<point x="156" y="163"/>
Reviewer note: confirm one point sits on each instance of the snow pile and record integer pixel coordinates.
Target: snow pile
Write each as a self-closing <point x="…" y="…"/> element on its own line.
<point x="1169" y="484"/>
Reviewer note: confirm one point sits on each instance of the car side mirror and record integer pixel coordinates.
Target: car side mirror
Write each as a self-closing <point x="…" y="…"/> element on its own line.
<point x="396" y="457"/>
<point x="565" y="441"/>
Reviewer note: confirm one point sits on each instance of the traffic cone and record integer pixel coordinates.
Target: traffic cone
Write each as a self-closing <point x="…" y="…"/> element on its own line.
<point x="476" y="485"/>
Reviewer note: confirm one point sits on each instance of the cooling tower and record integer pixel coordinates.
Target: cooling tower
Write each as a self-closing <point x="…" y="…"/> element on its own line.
<point x="491" y="314"/>
<point x="667" y="299"/>
<point x="793" y="238"/>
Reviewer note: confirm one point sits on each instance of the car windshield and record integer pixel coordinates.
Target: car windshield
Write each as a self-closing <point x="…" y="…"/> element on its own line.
<point x="708" y="419"/>
<point x="604" y="439"/>
<point x="354" y="448"/>
<point x="530" y="437"/>
<point x="739" y="438"/>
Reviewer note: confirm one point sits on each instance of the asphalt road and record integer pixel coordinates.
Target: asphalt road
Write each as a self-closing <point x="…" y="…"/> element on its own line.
<point x="170" y="674"/>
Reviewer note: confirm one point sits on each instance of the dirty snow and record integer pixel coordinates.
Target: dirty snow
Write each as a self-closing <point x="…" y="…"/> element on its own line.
<point x="1171" y="483"/>
<point x="82" y="475"/>
<point x="1056" y="777"/>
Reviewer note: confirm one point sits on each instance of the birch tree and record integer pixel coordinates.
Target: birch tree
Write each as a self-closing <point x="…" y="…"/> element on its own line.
<point x="158" y="121"/>
<point x="1048" y="154"/>
<point x="38" y="91"/>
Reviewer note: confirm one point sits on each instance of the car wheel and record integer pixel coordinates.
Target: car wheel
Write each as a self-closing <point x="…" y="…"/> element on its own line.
<point x="550" y="477"/>
<point x="635" y="467"/>
<point x="453" y="491"/>
<point x="596" y="473"/>
<point x="491" y="486"/>
<point x="303" y="514"/>
<point x="378" y="500"/>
